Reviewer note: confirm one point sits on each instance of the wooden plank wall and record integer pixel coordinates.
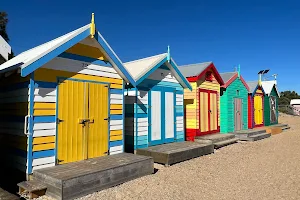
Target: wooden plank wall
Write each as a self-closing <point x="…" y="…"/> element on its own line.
<point x="13" y="109"/>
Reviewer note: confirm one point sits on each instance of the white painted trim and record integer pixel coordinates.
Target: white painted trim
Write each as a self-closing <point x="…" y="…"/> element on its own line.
<point x="41" y="133"/>
<point x="44" y="126"/>
<point x="116" y="148"/>
<point x="43" y="161"/>
<point x="116" y="127"/>
<point x="43" y="166"/>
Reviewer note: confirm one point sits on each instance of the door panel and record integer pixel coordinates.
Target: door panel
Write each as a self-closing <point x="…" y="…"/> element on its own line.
<point x="156" y="116"/>
<point x="238" y="123"/>
<point x="71" y="101"/>
<point x="273" y="111"/>
<point x="98" y="114"/>
<point x="204" y="112"/>
<point x="213" y="112"/>
<point x="258" y="110"/>
<point x="169" y="115"/>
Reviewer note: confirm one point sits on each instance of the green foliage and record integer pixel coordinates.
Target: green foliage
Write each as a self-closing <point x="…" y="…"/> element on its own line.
<point x="286" y="97"/>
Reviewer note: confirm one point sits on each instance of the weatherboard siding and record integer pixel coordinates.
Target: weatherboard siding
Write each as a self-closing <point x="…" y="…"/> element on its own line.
<point x="227" y="106"/>
<point x="13" y="109"/>
<point x="137" y="109"/>
<point x="45" y="100"/>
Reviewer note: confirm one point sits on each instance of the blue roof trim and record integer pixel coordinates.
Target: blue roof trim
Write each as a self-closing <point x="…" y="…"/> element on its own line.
<point x="112" y="56"/>
<point x="54" y="53"/>
<point x="151" y="71"/>
<point x="186" y="82"/>
<point x="262" y="89"/>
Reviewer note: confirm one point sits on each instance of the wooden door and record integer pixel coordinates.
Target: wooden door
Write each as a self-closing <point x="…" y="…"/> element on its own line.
<point x="82" y="121"/>
<point x="238" y="122"/>
<point x="169" y="115"/>
<point x="208" y="111"/>
<point x="258" y="110"/>
<point x="273" y="110"/>
<point x="99" y="122"/>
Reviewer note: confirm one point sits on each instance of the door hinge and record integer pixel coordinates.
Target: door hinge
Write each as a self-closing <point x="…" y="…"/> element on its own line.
<point x="108" y="119"/>
<point x="58" y="161"/>
<point x="106" y="86"/>
<point x="59" y="120"/>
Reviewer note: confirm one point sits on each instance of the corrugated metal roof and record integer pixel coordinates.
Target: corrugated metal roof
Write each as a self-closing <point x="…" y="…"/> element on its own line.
<point x="252" y="85"/>
<point x="31" y="55"/>
<point x="227" y="76"/>
<point x="140" y="67"/>
<point x="193" y="69"/>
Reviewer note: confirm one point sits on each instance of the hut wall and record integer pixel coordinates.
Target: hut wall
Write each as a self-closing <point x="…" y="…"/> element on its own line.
<point x="137" y="109"/>
<point x="71" y="66"/>
<point x="227" y="105"/>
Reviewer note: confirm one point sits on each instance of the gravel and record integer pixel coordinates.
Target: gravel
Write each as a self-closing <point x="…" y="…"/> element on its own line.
<point x="266" y="169"/>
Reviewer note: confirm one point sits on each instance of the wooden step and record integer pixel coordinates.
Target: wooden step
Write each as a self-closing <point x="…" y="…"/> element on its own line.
<point x="224" y="143"/>
<point x="32" y="189"/>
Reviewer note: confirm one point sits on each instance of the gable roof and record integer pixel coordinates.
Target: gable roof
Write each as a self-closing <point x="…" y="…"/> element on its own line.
<point x="229" y="77"/>
<point x="253" y="86"/>
<point x="268" y="87"/>
<point x="142" y="68"/>
<point x="32" y="59"/>
<point x="194" y="72"/>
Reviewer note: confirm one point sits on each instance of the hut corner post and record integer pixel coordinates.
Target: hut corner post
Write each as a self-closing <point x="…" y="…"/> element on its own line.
<point x="30" y="128"/>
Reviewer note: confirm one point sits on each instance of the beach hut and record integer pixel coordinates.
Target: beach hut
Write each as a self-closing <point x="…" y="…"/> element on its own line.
<point x="62" y="102"/>
<point x="255" y="104"/>
<point x="234" y="103"/>
<point x="154" y="108"/>
<point x="202" y="103"/>
<point x="270" y="102"/>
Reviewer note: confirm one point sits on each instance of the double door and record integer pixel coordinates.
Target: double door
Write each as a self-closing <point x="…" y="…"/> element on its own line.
<point x="162" y="119"/>
<point x="82" y="121"/>
<point x="258" y="110"/>
<point x="208" y="111"/>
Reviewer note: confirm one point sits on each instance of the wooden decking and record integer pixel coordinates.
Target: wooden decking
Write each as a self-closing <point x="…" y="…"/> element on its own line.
<point x="172" y="153"/>
<point x="4" y="195"/>
<point x="69" y="181"/>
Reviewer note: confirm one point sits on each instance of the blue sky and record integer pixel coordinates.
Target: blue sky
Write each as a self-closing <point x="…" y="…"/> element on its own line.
<point x="256" y="34"/>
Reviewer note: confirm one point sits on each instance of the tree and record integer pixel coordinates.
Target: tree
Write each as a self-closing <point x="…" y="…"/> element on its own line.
<point x="287" y="96"/>
<point x="3" y="33"/>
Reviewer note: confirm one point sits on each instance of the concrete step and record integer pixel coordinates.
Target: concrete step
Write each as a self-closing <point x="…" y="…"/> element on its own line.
<point x="248" y="133"/>
<point x="176" y="152"/>
<point x="32" y="189"/>
<point x="215" y="138"/>
<point x="224" y="143"/>
<point x="257" y="137"/>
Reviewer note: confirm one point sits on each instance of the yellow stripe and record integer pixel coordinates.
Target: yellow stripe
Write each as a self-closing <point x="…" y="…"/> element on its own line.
<point x="116" y="106"/>
<point x="116" y="132"/>
<point x="86" y="50"/>
<point x="43" y="140"/>
<point x="116" y="112"/>
<point x="116" y="137"/>
<point x="50" y="75"/>
<point x="44" y="112"/>
<point x="44" y="106"/>
<point x="41" y="147"/>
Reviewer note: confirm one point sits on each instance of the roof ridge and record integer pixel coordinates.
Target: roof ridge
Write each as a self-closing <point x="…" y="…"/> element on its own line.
<point x="144" y="58"/>
<point x="195" y="64"/>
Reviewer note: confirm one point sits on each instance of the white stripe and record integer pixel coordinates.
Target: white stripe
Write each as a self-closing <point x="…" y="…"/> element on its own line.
<point x="50" y="99"/>
<point x="116" y="96"/>
<point x="179" y="118"/>
<point x="43" y="161"/>
<point x="179" y="125"/>
<point x="115" y="152"/>
<point x="179" y="129"/>
<point x="81" y="67"/>
<point x="179" y="96"/>
<point x="116" y="122"/>
<point x="116" y="127"/>
<point x="43" y="126"/>
<point x="129" y="93"/>
<point x="43" y="166"/>
<point x="41" y="133"/>
<point x="179" y="103"/>
<point x="116" y="148"/>
<point x="141" y="133"/>
<point x="116" y="101"/>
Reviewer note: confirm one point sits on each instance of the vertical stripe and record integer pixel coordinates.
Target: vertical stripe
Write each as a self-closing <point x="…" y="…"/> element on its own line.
<point x="30" y="135"/>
